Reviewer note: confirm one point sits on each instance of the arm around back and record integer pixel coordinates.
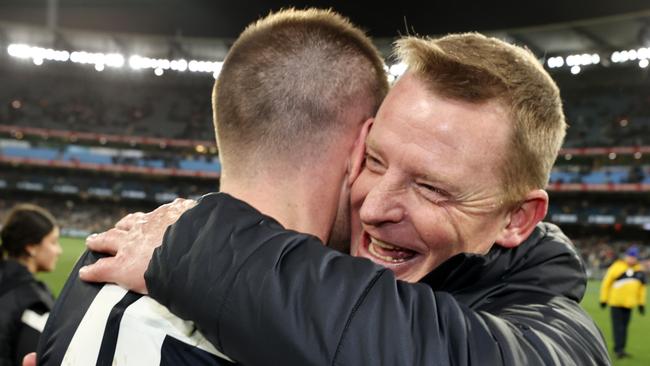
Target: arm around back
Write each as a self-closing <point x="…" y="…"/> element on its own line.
<point x="266" y="295"/>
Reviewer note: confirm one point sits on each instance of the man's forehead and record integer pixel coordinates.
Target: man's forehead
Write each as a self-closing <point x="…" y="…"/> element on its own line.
<point x="440" y="138"/>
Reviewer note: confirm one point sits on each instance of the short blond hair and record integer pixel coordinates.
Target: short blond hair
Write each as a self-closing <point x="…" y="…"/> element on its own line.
<point x="475" y="68"/>
<point x="288" y="81"/>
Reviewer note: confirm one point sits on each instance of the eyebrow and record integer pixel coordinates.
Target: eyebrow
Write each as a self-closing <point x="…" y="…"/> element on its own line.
<point x="371" y="143"/>
<point x="446" y="185"/>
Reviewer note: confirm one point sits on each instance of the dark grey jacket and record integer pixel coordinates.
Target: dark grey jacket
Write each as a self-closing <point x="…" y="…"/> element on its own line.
<point x="269" y="296"/>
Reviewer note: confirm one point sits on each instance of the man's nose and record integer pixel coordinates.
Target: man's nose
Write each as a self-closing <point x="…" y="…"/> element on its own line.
<point x="383" y="204"/>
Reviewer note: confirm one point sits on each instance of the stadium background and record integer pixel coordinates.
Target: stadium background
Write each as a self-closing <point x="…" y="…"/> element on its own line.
<point x="105" y="109"/>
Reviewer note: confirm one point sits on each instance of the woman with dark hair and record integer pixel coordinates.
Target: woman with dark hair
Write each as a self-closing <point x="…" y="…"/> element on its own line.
<point x="29" y="243"/>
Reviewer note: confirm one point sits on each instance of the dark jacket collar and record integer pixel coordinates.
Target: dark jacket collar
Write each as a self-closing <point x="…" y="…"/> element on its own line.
<point x="12" y="275"/>
<point x="546" y="262"/>
<point x="11" y="270"/>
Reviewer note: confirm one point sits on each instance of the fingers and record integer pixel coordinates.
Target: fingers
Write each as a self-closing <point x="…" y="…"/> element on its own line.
<point x="100" y="271"/>
<point x="107" y="242"/>
<point x="29" y="359"/>
<point x="127" y="222"/>
<point x="116" y="270"/>
<point x="168" y="213"/>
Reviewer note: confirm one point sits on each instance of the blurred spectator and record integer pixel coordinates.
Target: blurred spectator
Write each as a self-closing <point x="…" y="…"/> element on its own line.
<point x="623" y="289"/>
<point x="30" y="244"/>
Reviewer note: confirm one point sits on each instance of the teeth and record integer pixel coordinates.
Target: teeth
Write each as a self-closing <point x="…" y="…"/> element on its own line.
<point x="373" y="251"/>
<point x="386" y="258"/>
<point x="382" y="244"/>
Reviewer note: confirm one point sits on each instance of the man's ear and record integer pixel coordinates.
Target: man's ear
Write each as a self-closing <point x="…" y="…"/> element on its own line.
<point x="355" y="162"/>
<point x="523" y="218"/>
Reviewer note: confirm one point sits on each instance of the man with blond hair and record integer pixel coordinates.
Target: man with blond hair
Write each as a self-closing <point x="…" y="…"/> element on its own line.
<point x="296" y="93"/>
<point x="447" y="209"/>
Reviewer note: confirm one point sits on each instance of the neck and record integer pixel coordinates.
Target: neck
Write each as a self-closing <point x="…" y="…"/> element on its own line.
<point x="305" y="201"/>
<point x="27" y="262"/>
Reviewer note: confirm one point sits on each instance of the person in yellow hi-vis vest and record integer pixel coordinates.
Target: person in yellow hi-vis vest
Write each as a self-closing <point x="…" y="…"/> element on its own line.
<point x="623" y="289"/>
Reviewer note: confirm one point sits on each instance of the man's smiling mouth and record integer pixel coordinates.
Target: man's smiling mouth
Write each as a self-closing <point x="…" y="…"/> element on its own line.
<point x="388" y="252"/>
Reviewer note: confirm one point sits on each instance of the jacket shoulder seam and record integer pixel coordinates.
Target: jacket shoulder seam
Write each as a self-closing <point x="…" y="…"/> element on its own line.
<point x="356" y="307"/>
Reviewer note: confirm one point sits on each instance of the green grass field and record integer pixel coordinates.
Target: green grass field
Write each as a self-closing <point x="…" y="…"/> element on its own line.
<point x="639" y="325"/>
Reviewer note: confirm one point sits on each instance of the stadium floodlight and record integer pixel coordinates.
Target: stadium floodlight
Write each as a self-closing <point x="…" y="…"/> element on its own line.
<point x="193" y="66"/>
<point x="398" y="69"/>
<point x="575" y="70"/>
<point x="158" y="71"/>
<point x="111" y="60"/>
<point x="114" y="60"/>
<point x="571" y="61"/>
<point x="623" y="56"/>
<point x="182" y="65"/>
<point x="37" y="54"/>
<point x="584" y="59"/>
<point x="134" y="62"/>
<point x="217" y="66"/>
<point x="18" y="50"/>
<point x="595" y="59"/>
<point x="81" y="57"/>
<point x="643" y="63"/>
<point x="555" y="62"/>
<point x="178" y="65"/>
<point x="631" y="54"/>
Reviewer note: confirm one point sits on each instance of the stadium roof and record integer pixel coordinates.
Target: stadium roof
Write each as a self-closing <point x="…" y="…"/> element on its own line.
<point x="204" y="29"/>
<point x="226" y="18"/>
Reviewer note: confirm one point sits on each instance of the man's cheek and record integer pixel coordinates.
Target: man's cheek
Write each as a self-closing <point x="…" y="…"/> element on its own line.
<point x="360" y="188"/>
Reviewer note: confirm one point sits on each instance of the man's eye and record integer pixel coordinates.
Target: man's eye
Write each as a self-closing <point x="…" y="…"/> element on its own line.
<point x="372" y="162"/>
<point x="429" y="187"/>
<point x="432" y="192"/>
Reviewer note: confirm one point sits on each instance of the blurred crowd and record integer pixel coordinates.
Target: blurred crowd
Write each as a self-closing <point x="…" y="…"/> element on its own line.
<point x="76" y="216"/>
<point x="589" y="206"/>
<point x="597" y="173"/>
<point x="600" y="252"/>
<point x="181" y="109"/>
<point x="119" y="107"/>
<point x="609" y="117"/>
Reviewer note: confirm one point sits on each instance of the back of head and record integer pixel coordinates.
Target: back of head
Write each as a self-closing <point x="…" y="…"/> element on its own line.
<point x="473" y="68"/>
<point x="24" y="225"/>
<point x="287" y="85"/>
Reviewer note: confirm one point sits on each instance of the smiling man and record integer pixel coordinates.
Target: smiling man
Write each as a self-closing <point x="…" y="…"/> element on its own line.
<point x="451" y="196"/>
<point x="429" y="189"/>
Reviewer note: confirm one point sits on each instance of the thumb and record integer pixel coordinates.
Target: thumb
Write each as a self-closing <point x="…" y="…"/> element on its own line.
<point x="101" y="271"/>
<point x="29" y="359"/>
